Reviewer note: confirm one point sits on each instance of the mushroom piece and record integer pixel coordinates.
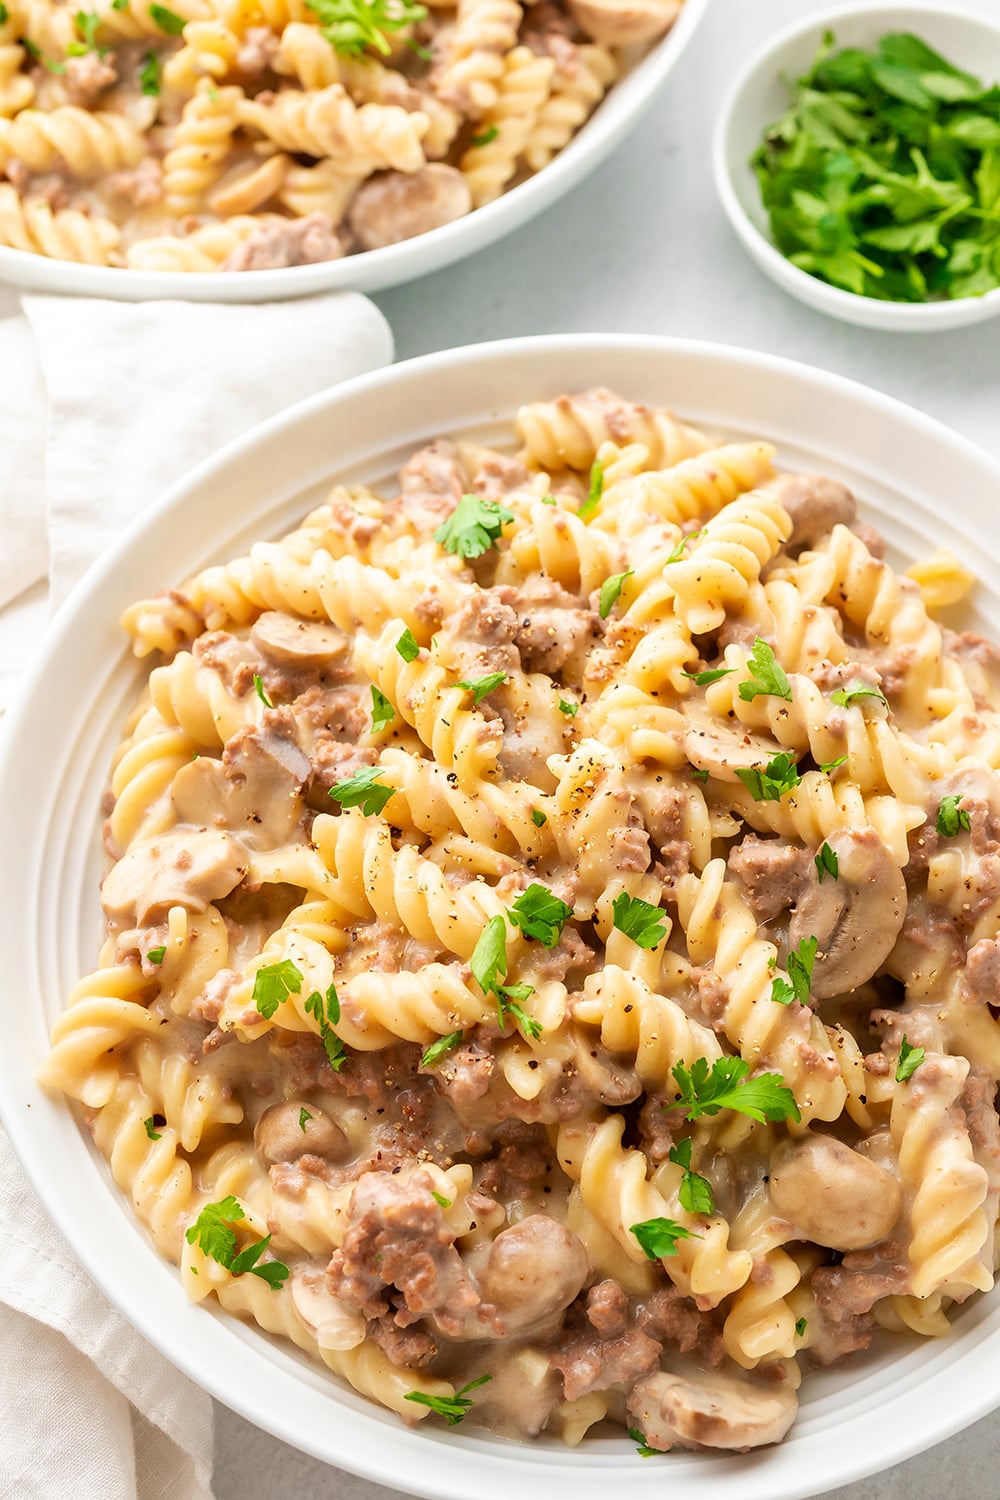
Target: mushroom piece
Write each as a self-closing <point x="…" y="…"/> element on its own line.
<point x="832" y="1195"/>
<point x="856" y="918"/>
<point x="624" y="23"/>
<point x="256" y="789"/>
<point x="610" y="1081"/>
<point x="710" y="1411"/>
<point x="535" y="1269"/>
<point x="815" y="504"/>
<point x="291" y="642"/>
<point x="394" y="206"/>
<point x="333" y="1323"/>
<point x="293" y="1129"/>
<point x="711" y="745"/>
<point x="186" y="867"/>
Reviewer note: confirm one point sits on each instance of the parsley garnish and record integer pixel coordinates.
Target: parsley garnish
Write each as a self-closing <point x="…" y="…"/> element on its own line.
<point x="157" y="955"/>
<point x="258" y="683"/>
<point x="440" y="1199"/>
<point x="540" y="915"/>
<point x="800" y="969"/>
<point x="770" y="785"/>
<point x="383" y="712"/>
<point x="538" y="817"/>
<point x="569" y="709"/>
<point x="150" y="1128"/>
<point x="951" y="818"/>
<point x="682" y="546"/>
<point x="452" y="1407"/>
<point x="548" y="499"/>
<point x="4" y="14"/>
<point x="726" y="1085"/>
<point x="767" y="676"/>
<point x="658" y="1237"/>
<point x="910" y="1059"/>
<point x="610" y="592"/>
<point x="30" y="47"/>
<point x="829" y="766"/>
<point x="705" y="679"/>
<point x="213" y="1232"/>
<point x="846" y="696"/>
<point x="438" y="1049"/>
<point x="87" y="23"/>
<point x="304" y="1118"/>
<point x="489" y="966"/>
<point x="801" y="1324"/>
<point x="595" y="491"/>
<point x="481" y="687"/>
<point x="826" y="862"/>
<point x="363" y="790"/>
<point x="273" y="984"/>
<point x="167" y="20"/>
<point x="639" y="920"/>
<point x="119" y="4"/>
<point x="473" y="527"/>
<point x="352" y="25"/>
<point x="54" y="67"/>
<point x="327" y="1017"/>
<point x="485" y="137"/>
<point x="700" y="773"/>
<point x="642" y="1447"/>
<point x="149" y="74"/>
<point x="407" y="645"/>
<point x="695" y="1192"/>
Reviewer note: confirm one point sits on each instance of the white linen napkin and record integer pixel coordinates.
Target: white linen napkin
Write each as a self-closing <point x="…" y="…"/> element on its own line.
<point x="102" y="405"/>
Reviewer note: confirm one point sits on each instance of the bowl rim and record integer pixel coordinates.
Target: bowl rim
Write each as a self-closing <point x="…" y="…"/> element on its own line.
<point x="851" y="306"/>
<point x="374" y="270"/>
<point x="417" y="1462"/>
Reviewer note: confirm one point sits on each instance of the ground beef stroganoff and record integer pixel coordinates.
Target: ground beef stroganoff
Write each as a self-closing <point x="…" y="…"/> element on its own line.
<point x="552" y="935"/>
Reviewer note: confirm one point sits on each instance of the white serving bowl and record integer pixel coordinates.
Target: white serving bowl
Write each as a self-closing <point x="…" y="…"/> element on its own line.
<point x="373" y="270"/>
<point x="923" y="485"/>
<point x="760" y="96"/>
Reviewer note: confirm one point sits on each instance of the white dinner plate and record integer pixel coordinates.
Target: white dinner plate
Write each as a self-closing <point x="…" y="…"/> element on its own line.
<point x="373" y="270"/>
<point x="920" y="483"/>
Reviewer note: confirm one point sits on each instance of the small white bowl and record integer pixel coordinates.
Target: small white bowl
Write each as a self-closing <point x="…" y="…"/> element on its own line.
<point x="759" y="96"/>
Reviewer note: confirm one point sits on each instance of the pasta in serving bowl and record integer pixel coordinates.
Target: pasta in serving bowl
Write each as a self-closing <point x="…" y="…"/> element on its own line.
<point x="682" y="1157"/>
<point x="355" y="143"/>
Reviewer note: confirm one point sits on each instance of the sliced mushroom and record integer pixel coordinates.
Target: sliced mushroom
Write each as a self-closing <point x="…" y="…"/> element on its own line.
<point x="624" y="23"/>
<point x="815" y="503"/>
<point x="711" y="1411"/>
<point x="293" y="1129"/>
<point x="610" y="1081"/>
<point x="186" y="867"/>
<point x="535" y="1269"/>
<point x="713" y="745"/>
<point x="333" y="1323"/>
<point x="394" y="206"/>
<point x="855" y="918"/>
<point x="291" y="642"/>
<point x="256" y="789"/>
<point x="833" y="1195"/>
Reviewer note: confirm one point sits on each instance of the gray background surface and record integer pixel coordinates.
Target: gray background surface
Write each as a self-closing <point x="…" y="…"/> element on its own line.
<point x="643" y="247"/>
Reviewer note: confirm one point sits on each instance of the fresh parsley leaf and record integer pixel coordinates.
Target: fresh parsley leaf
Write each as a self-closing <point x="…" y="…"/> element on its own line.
<point x="481" y="687"/>
<point x="350" y="26"/>
<point x="157" y="955"/>
<point x="951" y="818"/>
<point x="150" y="1128"/>
<point x="383" y="712"/>
<point x="4" y="14"/>
<point x="508" y="998"/>
<point x="473" y="527"/>
<point x="829" y="766"/>
<point x="274" y="1272"/>
<point x="658" y="1237"/>
<point x="767" y="676"/>
<point x="611" y="591"/>
<point x="167" y="20"/>
<point x="440" y="1199"/>
<point x="489" y="957"/>
<point x="213" y="1230"/>
<point x="800" y="967"/>
<point x="540" y="915"/>
<point x="304" y="1118"/>
<point x="87" y="23"/>
<point x="910" y="1059"/>
<point x="595" y="491"/>
<point x="538" y="817"/>
<point x="274" y="983"/>
<point x="363" y="790"/>
<point x="700" y="773"/>
<point x="407" y="645"/>
<point x="642" y="1447"/>
<point x="705" y="679"/>
<point x="826" y="862"/>
<point x="258" y="683"/>
<point x="846" y="696"/>
<point x="485" y="136"/>
<point x="424" y="53"/>
<point x="695" y="1192"/>
<point x="327" y="1013"/>
<point x="30" y="47"/>
<point x="119" y="4"/>
<point x="53" y="66"/>
<point x="149" y="75"/>
<point x="801" y="1324"/>
<point x="568" y="708"/>
<point x="726" y="1085"/>
<point x="682" y="546"/>
<point x="440" y="1048"/>
<point x="639" y="920"/>
<point x="452" y="1407"/>
<point x="770" y="785"/>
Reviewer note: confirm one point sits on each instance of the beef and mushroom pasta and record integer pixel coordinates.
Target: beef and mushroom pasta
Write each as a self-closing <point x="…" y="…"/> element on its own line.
<point x="552" y="935"/>
<point x="210" y="135"/>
